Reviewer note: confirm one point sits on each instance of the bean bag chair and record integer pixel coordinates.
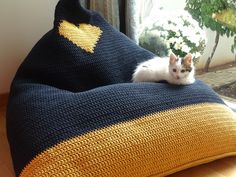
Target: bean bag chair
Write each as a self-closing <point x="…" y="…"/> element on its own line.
<point x="73" y="110"/>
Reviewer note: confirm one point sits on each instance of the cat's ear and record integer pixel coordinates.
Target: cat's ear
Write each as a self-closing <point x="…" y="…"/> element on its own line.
<point x="173" y="58"/>
<point x="188" y="59"/>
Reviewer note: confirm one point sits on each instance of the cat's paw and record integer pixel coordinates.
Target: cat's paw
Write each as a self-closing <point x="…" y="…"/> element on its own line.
<point x="181" y="81"/>
<point x="174" y="82"/>
<point x="188" y="82"/>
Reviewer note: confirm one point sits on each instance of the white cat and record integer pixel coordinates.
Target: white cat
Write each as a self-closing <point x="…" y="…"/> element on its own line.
<point x="174" y="70"/>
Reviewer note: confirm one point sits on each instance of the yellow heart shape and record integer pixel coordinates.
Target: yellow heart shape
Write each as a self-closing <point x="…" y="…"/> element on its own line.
<point x="84" y="36"/>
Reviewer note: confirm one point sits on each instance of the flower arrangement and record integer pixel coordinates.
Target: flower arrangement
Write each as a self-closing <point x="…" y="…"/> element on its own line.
<point x="176" y="32"/>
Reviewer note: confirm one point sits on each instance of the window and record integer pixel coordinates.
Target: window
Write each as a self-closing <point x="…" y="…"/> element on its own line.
<point x="165" y="24"/>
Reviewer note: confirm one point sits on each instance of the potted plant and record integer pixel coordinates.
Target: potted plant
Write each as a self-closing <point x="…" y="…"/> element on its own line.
<point x="179" y="33"/>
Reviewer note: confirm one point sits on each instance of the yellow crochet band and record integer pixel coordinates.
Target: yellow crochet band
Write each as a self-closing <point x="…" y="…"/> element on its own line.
<point x="157" y="144"/>
<point x="84" y="36"/>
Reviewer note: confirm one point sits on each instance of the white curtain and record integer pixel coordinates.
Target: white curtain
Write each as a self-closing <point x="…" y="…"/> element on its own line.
<point x="136" y="12"/>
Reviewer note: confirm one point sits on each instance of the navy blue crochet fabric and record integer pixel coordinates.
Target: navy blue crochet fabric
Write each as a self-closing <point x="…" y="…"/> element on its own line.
<point x="61" y="91"/>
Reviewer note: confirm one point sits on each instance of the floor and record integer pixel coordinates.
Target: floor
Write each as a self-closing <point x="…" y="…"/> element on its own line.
<point x="6" y="169"/>
<point x="218" y="78"/>
<point x="221" y="168"/>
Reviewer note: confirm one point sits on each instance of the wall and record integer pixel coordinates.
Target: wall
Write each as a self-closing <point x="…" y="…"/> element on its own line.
<point x="22" y="24"/>
<point x="223" y="52"/>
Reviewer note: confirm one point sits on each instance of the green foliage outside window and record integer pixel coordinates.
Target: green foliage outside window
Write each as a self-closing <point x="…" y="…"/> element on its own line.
<point x="218" y="15"/>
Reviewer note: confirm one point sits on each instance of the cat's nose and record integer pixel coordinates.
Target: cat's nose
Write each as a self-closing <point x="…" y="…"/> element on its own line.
<point x="177" y="77"/>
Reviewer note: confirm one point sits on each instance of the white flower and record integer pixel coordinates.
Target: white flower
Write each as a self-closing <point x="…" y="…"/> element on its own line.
<point x="171" y="40"/>
<point x="213" y="15"/>
<point x="197" y="54"/>
<point x="178" y="46"/>
<point x="179" y="31"/>
<point x="186" y="49"/>
<point x="179" y="40"/>
<point x="187" y="31"/>
<point x="194" y="39"/>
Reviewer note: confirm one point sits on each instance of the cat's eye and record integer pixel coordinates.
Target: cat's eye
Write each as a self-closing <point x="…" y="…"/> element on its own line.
<point x="182" y="71"/>
<point x="174" y="70"/>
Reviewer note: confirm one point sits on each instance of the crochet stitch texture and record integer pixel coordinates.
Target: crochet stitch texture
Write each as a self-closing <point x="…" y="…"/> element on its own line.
<point x="73" y="110"/>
